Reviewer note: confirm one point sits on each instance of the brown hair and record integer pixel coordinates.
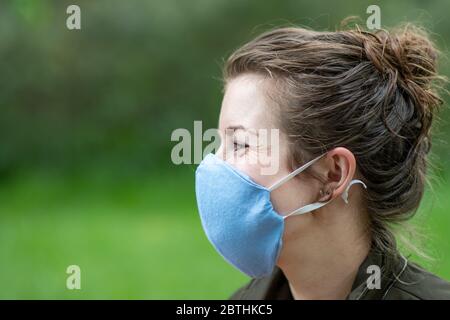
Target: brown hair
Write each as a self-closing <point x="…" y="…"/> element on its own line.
<point x="371" y="92"/>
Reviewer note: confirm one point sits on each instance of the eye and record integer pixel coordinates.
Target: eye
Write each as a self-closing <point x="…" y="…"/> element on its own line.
<point x="238" y="146"/>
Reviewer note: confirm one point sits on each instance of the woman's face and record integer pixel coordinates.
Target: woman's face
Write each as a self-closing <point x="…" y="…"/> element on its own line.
<point x="245" y="111"/>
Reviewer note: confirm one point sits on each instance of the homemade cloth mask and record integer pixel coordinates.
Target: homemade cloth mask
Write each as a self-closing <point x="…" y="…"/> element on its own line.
<point x="238" y="217"/>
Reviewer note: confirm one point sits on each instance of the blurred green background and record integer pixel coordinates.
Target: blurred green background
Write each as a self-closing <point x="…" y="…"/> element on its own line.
<point x="86" y="118"/>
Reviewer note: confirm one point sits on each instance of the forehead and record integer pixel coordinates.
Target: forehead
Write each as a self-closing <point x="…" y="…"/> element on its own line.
<point x="245" y="103"/>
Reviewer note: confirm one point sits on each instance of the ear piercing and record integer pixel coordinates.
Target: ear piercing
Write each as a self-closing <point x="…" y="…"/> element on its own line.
<point x="345" y="193"/>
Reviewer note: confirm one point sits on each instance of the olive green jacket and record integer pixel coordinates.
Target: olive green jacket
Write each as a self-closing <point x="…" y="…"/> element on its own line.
<point x="399" y="280"/>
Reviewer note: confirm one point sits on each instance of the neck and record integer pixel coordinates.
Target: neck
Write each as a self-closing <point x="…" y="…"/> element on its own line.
<point x="326" y="266"/>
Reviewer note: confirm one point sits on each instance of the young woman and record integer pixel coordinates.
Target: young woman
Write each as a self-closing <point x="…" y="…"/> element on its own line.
<point x="354" y="111"/>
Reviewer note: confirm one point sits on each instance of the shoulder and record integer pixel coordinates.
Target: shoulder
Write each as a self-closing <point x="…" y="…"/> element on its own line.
<point x="410" y="283"/>
<point x="417" y="283"/>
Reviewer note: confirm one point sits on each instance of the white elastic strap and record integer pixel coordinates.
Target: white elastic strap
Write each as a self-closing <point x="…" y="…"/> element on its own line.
<point x="293" y="173"/>
<point x="345" y="193"/>
<point x="317" y="205"/>
<point x="307" y="208"/>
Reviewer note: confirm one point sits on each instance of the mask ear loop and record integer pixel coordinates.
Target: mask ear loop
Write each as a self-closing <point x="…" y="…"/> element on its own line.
<point x="317" y="205"/>
<point x="293" y="174"/>
<point x="345" y="193"/>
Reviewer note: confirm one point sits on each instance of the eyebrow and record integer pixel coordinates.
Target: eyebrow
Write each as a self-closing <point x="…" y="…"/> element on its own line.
<point x="241" y="127"/>
<point x="236" y="127"/>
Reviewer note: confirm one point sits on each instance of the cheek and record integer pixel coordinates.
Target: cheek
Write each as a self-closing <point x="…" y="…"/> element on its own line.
<point x="292" y="195"/>
<point x="254" y="172"/>
<point x="263" y="167"/>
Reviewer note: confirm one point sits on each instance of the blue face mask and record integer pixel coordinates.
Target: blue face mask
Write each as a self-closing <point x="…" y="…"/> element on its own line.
<point x="238" y="217"/>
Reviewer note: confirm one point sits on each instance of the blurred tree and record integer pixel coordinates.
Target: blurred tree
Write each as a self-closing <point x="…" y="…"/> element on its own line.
<point x="111" y="93"/>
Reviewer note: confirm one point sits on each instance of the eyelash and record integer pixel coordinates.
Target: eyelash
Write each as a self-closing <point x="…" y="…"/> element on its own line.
<point x="237" y="146"/>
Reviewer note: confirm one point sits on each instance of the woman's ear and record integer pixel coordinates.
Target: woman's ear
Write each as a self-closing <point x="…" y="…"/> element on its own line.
<point x="339" y="171"/>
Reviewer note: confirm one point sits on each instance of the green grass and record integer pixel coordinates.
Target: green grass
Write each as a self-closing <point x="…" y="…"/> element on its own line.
<point x="433" y="223"/>
<point x="133" y="238"/>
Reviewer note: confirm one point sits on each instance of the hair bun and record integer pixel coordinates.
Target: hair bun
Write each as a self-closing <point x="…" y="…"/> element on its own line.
<point x="407" y="58"/>
<point x="407" y="52"/>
